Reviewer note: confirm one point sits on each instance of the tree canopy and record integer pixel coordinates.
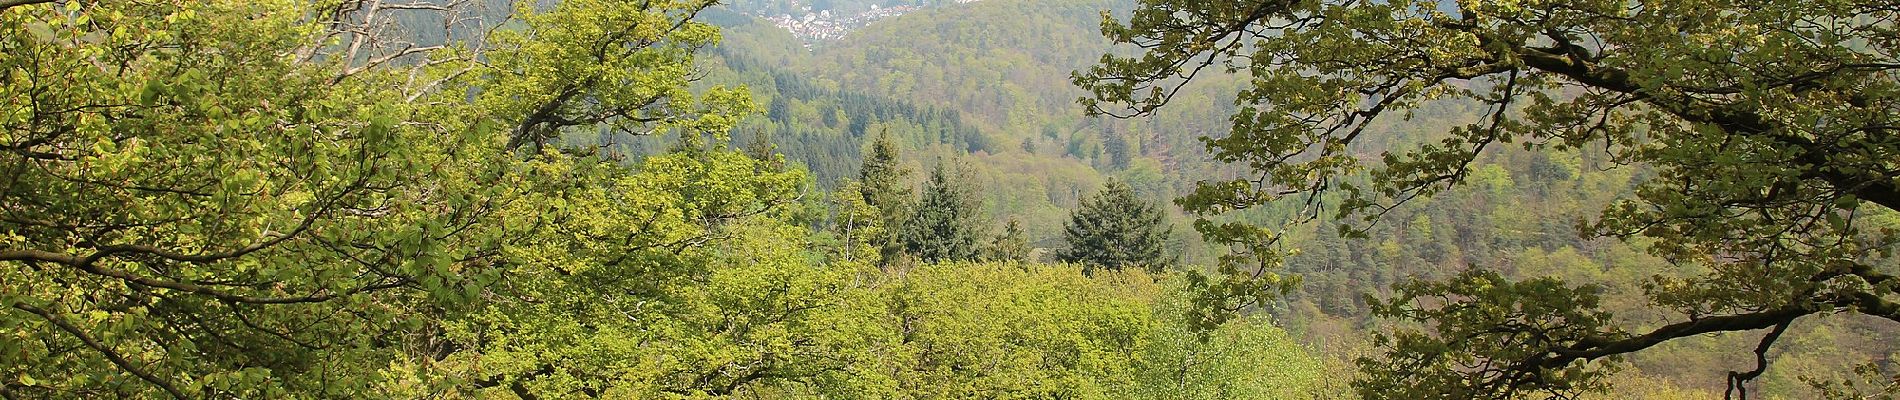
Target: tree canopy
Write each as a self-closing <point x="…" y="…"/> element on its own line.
<point x="1766" y="130"/>
<point x="884" y="184"/>
<point x="304" y="199"/>
<point x="943" y="226"/>
<point x="294" y="199"/>
<point x="1114" y="229"/>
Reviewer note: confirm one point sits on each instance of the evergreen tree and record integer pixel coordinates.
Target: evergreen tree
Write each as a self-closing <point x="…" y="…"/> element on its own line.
<point x="1120" y="152"/>
<point x="1114" y="230"/>
<point x="882" y="184"/>
<point x="763" y="149"/>
<point x="1009" y="246"/>
<point x="941" y="229"/>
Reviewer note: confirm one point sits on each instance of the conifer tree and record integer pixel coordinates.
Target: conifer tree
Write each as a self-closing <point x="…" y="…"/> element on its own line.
<point x="941" y="229"/>
<point x="882" y="184"/>
<point x="1114" y="230"/>
<point x="1008" y="246"/>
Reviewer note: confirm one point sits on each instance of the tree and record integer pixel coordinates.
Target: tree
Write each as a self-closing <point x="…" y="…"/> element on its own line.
<point x="943" y="228"/>
<point x="884" y="184"/>
<point x="1114" y="229"/>
<point x="1119" y="151"/>
<point x="245" y="199"/>
<point x="1019" y="331"/>
<point x="1008" y="246"/>
<point x="1769" y="127"/>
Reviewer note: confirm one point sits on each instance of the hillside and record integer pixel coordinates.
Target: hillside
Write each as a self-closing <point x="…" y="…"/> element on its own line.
<point x="949" y="199"/>
<point x="1003" y="67"/>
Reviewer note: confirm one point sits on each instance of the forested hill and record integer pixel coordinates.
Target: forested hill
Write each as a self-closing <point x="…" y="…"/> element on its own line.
<point x="949" y="199"/>
<point x="1006" y="62"/>
<point x="988" y="84"/>
<point x="986" y="89"/>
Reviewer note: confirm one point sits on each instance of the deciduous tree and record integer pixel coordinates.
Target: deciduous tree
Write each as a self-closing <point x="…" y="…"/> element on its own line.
<point x="1769" y="125"/>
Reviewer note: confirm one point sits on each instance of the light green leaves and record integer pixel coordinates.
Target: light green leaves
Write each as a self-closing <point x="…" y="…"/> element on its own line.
<point x="243" y="205"/>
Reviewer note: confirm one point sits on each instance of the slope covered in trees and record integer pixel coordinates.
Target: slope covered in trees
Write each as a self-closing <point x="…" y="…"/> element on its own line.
<point x="669" y="199"/>
<point x="1517" y="213"/>
<point x="1760" y="132"/>
<point x="289" y="199"/>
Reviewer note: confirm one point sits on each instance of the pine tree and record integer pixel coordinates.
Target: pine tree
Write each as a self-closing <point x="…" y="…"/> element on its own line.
<point x="941" y="229"/>
<point x="1114" y="230"/>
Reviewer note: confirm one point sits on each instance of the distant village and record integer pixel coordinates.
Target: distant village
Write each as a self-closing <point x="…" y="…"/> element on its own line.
<point x="825" y="25"/>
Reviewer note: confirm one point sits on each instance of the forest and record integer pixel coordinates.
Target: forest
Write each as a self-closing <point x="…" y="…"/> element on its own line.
<point x="1074" y="199"/>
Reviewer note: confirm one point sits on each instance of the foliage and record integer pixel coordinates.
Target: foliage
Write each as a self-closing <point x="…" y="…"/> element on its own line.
<point x="1018" y="331"/>
<point x="1008" y="246"/>
<point x="1004" y="330"/>
<point x="943" y="227"/>
<point x="1869" y="383"/>
<point x="862" y="228"/>
<point x="884" y="185"/>
<point x="1114" y="230"/>
<point x="1765" y="128"/>
<point x="490" y="199"/>
<point x="1515" y="321"/>
<point x="1244" y="359"/>
<point x="288" y="199"/>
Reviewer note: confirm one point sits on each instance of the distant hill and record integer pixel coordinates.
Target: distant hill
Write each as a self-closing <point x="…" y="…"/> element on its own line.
<point x="987" y="84"/>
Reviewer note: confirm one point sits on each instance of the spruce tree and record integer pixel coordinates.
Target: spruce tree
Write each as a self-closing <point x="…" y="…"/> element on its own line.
<point x="1114" y="230"/>
<point x="882" y="185"/>
<point x="941" y="228"/>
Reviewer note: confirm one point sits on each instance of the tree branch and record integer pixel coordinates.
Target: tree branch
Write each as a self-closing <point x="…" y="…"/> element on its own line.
<point x="89" y="265"/>
<point x="1590" y="349"/>
<point x="1737" y="380"/>
<point x="111" y="355"/>
<point x="1566" y="62"/>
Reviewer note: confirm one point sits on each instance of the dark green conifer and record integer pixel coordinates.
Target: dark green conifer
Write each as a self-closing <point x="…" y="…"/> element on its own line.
<point x="1114" y="230"/>
<point x="941" y="229"/>
<point x="884" y="186"/>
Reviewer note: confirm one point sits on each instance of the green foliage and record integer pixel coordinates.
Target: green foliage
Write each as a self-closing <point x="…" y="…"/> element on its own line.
<point x="197" y="205"/>
<point x="1762" y="128"/>
<point x="289" y="199"/>
<point x="884" y="185"/>
<point x="238" y="199"/>
<point x="1245" y="359"/>
<point x="1000" y="330"/>
<point x="711" y="290"/>
<point x="1008" y="246"/>
<point x="943" y="227"/>
<point x="1869" y="382"/>
<point x="1498" y="325"/>
<point x="861" y="227"/>
<point x="823" y="125"/>
<point x="1019" y="331"/>
<point x="1114" y="230"/>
